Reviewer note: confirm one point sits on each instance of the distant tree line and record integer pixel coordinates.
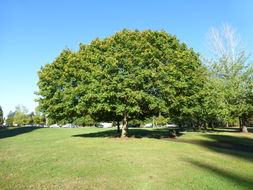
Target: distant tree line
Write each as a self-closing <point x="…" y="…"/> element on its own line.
<point x="21" y="117"/>
<point x="149" y="75"/>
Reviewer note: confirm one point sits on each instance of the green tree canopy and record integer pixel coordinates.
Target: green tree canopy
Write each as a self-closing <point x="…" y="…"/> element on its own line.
<point x="130" y="75"/>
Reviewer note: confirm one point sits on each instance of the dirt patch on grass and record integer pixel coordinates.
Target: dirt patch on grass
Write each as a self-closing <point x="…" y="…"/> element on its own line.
<point x="122" y="139"/>
<point x="247" y="134"/>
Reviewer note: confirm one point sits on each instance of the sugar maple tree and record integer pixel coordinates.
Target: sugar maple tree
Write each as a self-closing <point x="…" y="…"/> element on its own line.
<point x="130" y="75"/>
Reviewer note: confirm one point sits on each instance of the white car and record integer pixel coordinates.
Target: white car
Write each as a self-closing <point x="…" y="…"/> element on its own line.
<point x="170" y="125"/>
<point x="104" y="125"/>
<point x="43" y="125"/>
<point x="69" y="125"/>
<point x="54" y="126"/>
<point x="148" y="125"/>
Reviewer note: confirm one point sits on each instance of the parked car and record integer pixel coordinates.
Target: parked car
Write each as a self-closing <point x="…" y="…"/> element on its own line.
<point x="120" y="126"/>
<point x="42" y="125"/>
<point x="69" y="125"/>
<point x="134" y="125"/>
<point x="104" y="125"/>
<point x="148" y="125"/>
<point x="54" y="126"/>
<point x="170" y="125"/>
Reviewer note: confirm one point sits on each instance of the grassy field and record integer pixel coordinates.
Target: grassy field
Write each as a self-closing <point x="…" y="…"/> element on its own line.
<point x="91" y="158"/>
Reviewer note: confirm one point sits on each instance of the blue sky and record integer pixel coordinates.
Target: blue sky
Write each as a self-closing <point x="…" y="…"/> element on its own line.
<point x="33" y="33"/>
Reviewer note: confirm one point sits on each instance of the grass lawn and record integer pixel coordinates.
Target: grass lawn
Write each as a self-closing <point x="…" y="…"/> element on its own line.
<point x="92" y="158"/>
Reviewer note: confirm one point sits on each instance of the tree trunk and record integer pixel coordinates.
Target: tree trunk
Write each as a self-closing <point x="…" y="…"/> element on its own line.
<point x="124" y="131"/>
<point x="118" y="127"/>
<point x="154" y="122"/>
<point x="211" y="125"/>
<point x="243" y="127"/>
<point x="204" y="126"/>
<point x="240" y="122"/>
<point x="46" y="121"/>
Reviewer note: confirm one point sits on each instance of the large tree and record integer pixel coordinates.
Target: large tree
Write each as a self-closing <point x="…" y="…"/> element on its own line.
<point x="130" y="75"/>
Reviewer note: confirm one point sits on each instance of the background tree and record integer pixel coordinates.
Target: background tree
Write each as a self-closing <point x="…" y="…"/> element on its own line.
<point x="229" y="64"/>
<point x="21" y="116"/>
<point x="1" y="116"/>
<point x="215" y="110"/>
<point x="86" y="120"/>
<point x="38" y="117"/>
<point x="156" y="120"/>
<point x="10" y="118"/>
<point x="38" y="120"/>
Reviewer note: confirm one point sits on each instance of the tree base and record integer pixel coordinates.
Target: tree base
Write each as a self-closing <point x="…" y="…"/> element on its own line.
<point x="124" y="133"/>
<point x="172" y="133"/>
<point x="244" y="129"/>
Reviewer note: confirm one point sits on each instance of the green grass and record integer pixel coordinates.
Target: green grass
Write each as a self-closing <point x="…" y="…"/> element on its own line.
<point x="91" y="158"/>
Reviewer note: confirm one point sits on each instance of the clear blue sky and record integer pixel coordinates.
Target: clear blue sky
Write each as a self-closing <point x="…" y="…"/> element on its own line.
<point x="32" y="33"/>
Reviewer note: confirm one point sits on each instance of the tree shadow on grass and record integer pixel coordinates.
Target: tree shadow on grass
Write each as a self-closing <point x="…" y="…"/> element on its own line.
<point x="11" y="132"/>
<point x="225" y="129"/>
<point x="218" y="130"/>
<point x="132" y="133"/>
<point x="235" y="178"/>
<point x="229" y="129"/>
<point x="238" y="146"/>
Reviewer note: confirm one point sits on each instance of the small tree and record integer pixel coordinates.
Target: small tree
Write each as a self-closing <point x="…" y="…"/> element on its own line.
<point x="229" y="64"/>
<point x="10" y="118"/>
<point x="1" y="116"/>
<point x="21" y="116"/>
